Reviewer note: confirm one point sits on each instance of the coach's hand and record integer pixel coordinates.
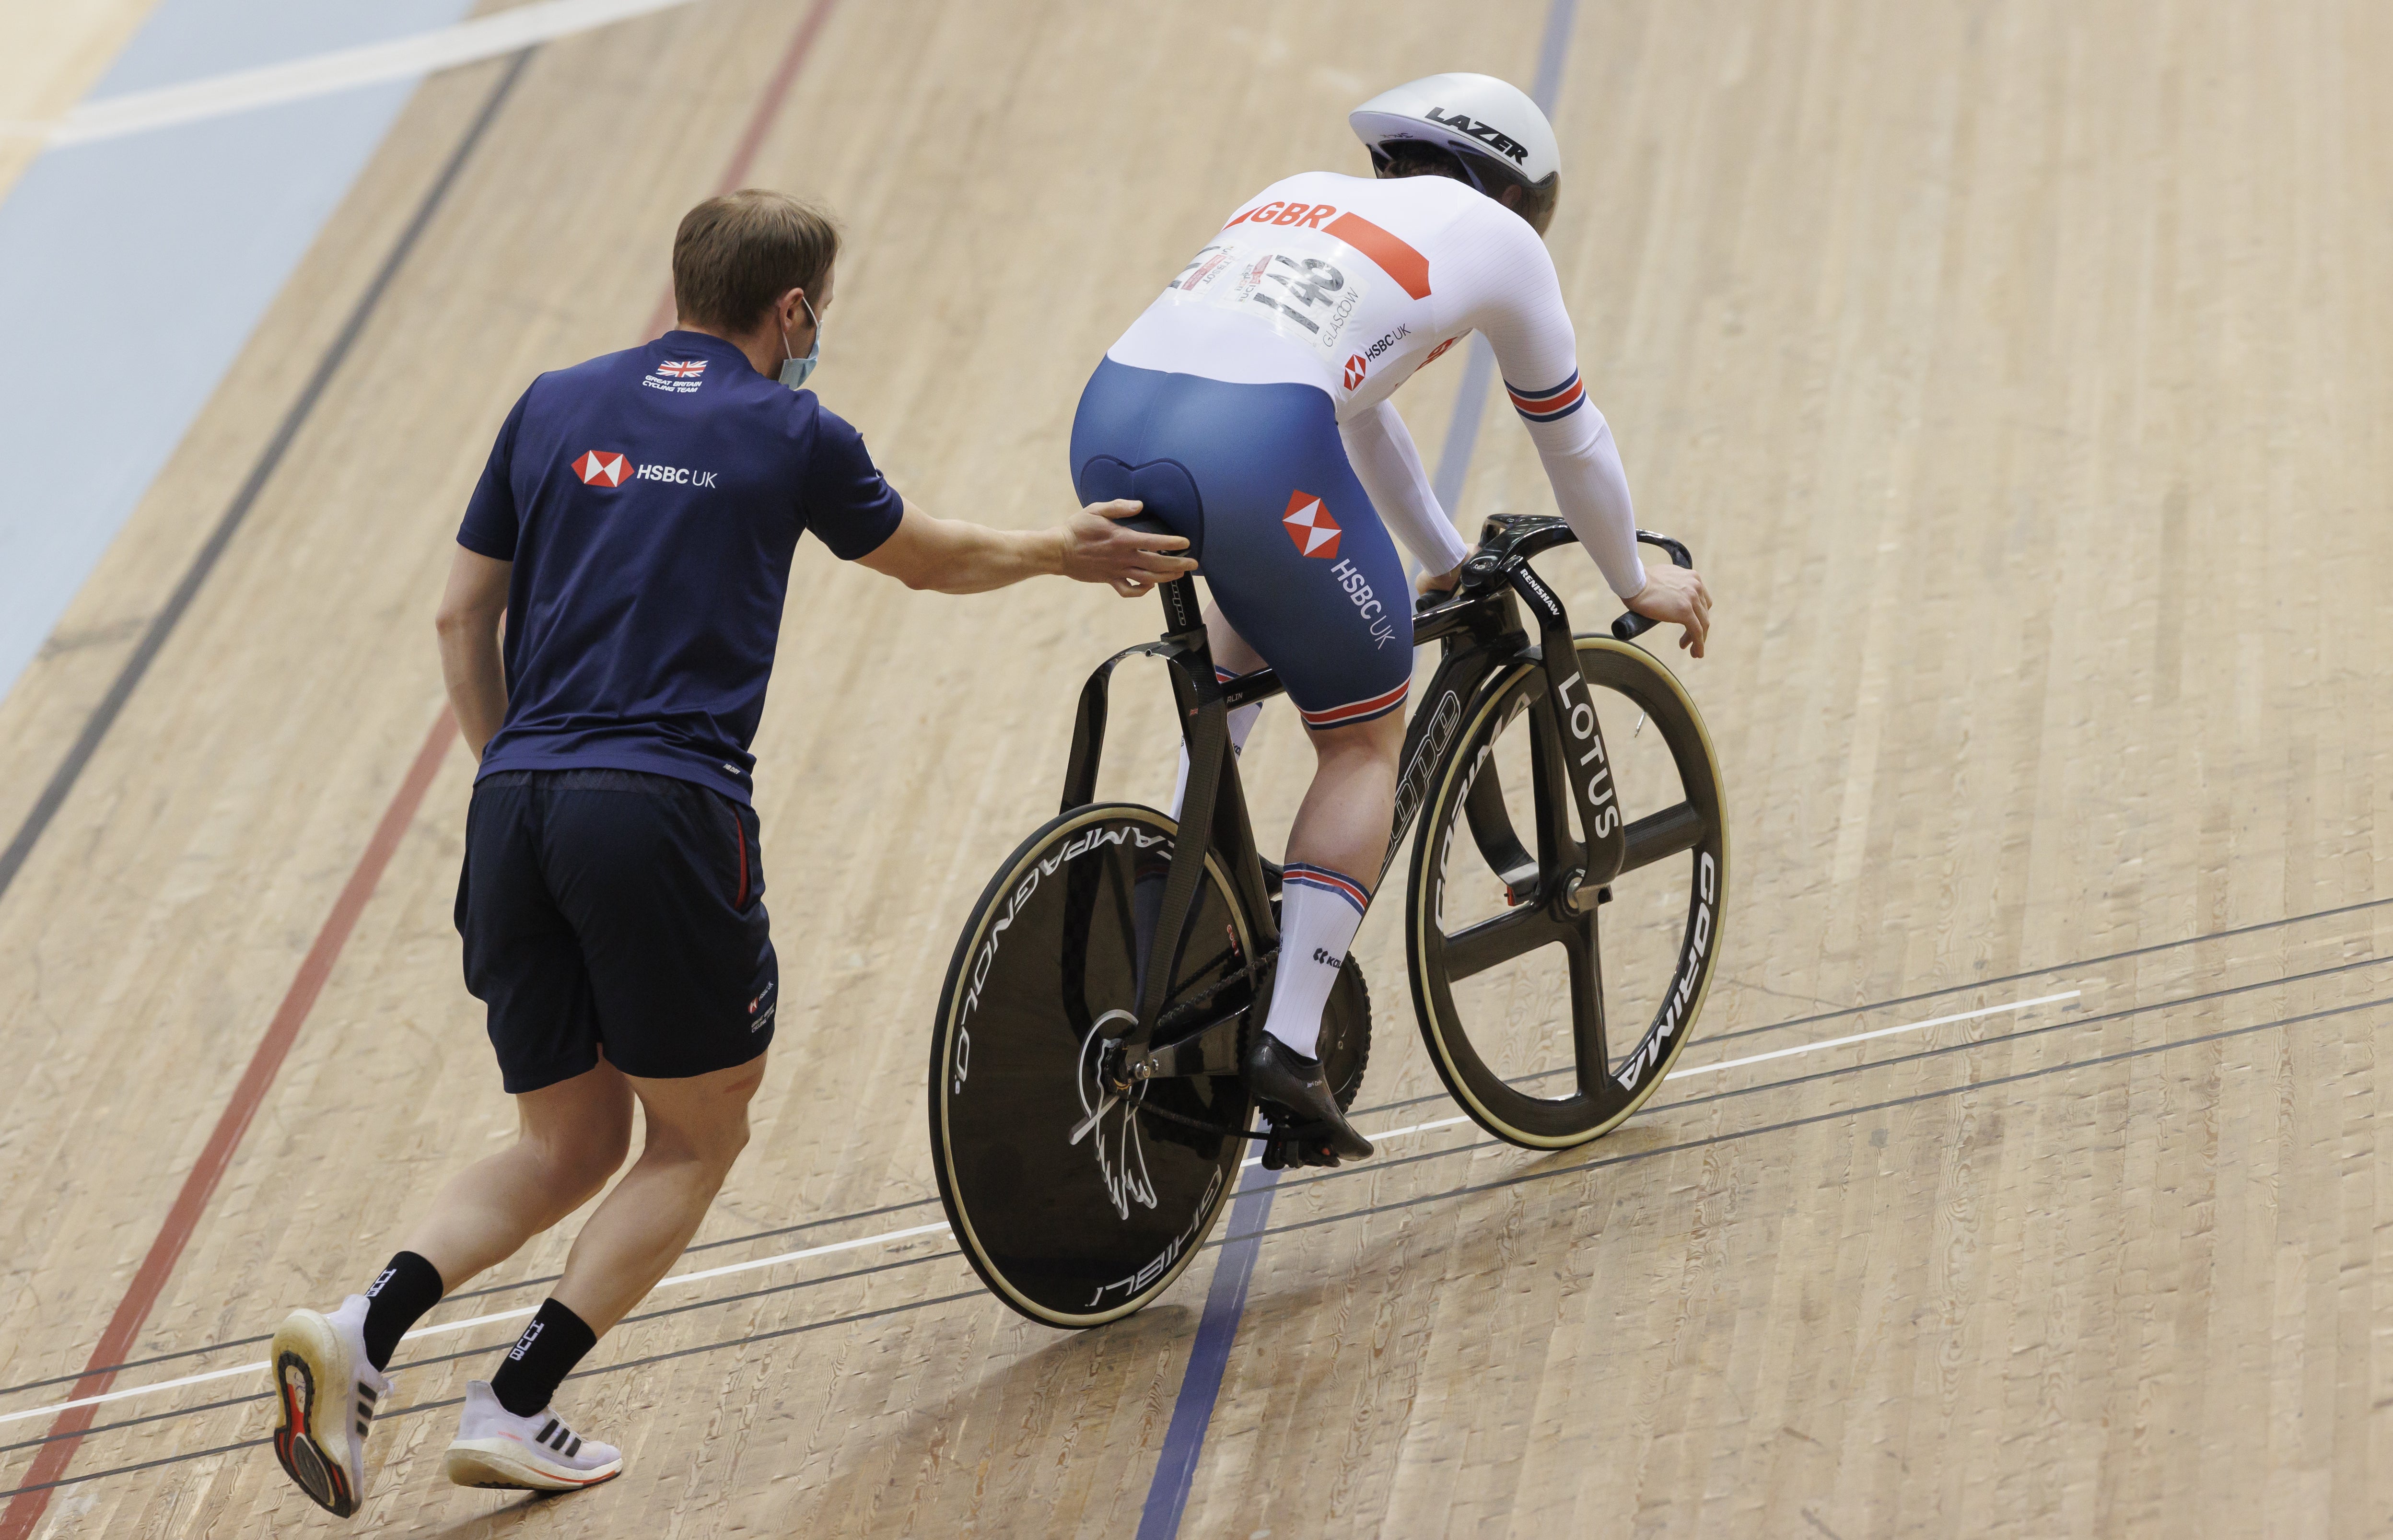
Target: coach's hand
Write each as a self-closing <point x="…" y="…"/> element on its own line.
<point x="1099" y="549"/>
<point x="1676" y="596"/>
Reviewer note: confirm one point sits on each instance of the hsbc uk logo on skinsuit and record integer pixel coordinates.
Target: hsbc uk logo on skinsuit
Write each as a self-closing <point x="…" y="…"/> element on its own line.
<point x="1310" y="526"/>
<point x="604" y="468"/>
<point x="1355" y="366"/>
<point x="612" y="468"/>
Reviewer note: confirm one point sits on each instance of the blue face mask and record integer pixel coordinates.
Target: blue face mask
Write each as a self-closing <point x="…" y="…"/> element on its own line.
<point x="794" y="370"/>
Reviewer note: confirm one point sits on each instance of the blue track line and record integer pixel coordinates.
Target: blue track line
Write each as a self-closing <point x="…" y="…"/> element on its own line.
<point x="1209" y="1359"/>
<point x="1226" y="1301"/>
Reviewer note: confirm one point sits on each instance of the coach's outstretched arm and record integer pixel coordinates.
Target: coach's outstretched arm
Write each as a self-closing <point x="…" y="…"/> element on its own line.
<point x="953" y="556"/>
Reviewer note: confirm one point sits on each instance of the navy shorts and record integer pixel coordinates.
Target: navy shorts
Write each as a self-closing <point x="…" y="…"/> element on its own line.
<point x="605" y="909"/>
<point x="1256" y="477"/>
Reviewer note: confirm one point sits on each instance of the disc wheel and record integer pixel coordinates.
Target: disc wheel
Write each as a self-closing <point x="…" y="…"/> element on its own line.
<point x="1076" y="1205"/>
<point x="1521" y="987"/>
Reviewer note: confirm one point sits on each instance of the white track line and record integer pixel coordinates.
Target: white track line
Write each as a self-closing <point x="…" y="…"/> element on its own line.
<point x="889" y="1237"/>
<point x="342" y="69"/>
<point x="1881" y="1032"/>
<point x="470" y="1322"/>
<point x="1782" y="1054"/>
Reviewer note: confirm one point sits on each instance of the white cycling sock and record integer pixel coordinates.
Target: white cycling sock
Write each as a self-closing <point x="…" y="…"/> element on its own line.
<point x="1242" y="721"/>
<point x="1320" y="911"/>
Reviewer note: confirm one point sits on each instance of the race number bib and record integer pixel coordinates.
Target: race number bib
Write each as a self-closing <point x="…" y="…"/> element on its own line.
<point x="1307" y="297"/>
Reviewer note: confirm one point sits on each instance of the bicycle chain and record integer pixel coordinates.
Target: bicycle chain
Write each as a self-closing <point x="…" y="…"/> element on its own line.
<point x="1181" y="1010"/>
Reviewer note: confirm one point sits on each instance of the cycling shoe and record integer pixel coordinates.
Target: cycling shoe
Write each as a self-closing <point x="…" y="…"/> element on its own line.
<point x="1287" y="1082"/>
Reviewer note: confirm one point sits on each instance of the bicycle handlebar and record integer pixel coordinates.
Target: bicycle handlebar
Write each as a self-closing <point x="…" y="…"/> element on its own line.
<point x="1527" y="536"/>
<point x="1629" y="627"/>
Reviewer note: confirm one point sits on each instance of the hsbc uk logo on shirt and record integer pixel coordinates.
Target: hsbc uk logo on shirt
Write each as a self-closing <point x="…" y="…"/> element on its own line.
<point x="609" y="468"/>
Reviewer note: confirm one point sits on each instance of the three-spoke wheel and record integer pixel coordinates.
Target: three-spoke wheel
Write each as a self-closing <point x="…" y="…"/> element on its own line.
<point x="1503" y="924"/>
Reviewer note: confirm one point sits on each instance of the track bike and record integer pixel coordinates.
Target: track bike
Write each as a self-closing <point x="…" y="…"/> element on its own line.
<point x="1088" y="1115"/>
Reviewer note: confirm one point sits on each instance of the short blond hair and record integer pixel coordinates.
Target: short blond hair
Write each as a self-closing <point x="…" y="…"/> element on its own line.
<point x="736" y="255"/>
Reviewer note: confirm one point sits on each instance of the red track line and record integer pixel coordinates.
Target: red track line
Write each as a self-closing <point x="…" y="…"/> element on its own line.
<point x="183" y="1217"/>
<point x="744" y="154"/>
<point x="116" y="1342"/>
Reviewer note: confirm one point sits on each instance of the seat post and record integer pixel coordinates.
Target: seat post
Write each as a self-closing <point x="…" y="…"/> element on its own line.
<point x="1181" y="612"/>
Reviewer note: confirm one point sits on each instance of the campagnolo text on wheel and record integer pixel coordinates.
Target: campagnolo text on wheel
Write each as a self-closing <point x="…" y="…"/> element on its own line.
<point x="1137" y="997"/>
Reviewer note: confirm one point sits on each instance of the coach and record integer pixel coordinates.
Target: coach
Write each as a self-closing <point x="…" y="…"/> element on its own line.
<point x="636" y="525"/>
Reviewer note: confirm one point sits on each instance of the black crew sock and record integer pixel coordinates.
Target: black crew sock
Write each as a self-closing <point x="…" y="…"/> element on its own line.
<point x="408" y="1287"/>
<point x="542" y="1356"/>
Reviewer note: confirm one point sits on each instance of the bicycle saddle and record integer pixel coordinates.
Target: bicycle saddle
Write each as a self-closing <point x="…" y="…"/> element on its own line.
<point x="1164" y="486"/>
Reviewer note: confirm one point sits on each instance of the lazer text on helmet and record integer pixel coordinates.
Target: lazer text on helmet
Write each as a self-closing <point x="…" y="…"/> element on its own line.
<point x="1486" y="133"/>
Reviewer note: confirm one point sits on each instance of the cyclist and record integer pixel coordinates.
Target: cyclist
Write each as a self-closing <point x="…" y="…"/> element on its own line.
<point x="1247" y="407"/>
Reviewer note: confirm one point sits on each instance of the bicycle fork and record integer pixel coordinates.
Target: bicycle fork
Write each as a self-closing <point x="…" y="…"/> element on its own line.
<point x="1574" y="751"/>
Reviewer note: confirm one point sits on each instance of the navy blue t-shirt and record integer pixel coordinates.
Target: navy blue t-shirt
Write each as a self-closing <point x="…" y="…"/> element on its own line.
<point x="650" y="501"/>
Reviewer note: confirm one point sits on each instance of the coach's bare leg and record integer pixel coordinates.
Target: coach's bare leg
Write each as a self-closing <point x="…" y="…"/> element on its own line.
<point x="695" y="1128"/>
<point x="572" y="1137"/>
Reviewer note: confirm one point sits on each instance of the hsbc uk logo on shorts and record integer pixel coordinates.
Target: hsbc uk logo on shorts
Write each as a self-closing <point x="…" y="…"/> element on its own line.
<point x="612" y="468"/>
<point x="1309" y="525"/>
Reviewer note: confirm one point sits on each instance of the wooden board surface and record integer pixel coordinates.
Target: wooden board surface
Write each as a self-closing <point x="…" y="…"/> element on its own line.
<point x="54" y="54"/>
<point x="2018" y="372"/>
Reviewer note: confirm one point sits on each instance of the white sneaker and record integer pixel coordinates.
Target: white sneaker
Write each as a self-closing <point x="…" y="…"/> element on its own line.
<point x="494" y="1447"/>
<point x="325" y="1393"/>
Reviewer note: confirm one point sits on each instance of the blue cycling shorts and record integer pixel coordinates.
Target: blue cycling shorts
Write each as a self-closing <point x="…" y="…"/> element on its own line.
<point x="1255" y="476"/>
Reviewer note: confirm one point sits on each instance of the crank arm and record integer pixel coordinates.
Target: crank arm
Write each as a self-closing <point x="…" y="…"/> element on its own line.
<point x="1210" y="1050"/>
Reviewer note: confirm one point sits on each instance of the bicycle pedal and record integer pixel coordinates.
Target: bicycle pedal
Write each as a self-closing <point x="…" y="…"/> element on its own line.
<point x="1297" y="1144"/>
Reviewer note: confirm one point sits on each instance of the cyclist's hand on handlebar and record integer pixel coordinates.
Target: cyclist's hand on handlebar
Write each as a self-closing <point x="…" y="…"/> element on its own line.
<point x="1677" y="595"/>
<point x="1435" y="587"/>
<point x="1099" y="550"/>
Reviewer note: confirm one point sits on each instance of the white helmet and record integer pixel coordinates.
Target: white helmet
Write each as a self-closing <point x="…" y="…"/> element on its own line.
<point x="1491" y="128"/>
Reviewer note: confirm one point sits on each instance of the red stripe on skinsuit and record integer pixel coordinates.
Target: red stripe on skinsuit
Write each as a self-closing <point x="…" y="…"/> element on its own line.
<point x="1407" y="266"/>
<point x="1339" y="713"/>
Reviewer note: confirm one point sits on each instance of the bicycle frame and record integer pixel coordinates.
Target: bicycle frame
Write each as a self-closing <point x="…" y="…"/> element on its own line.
<point x="1480" y="629"/>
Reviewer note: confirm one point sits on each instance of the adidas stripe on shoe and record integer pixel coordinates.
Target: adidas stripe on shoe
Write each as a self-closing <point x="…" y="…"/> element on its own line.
<point x="325" y="1395"/>
<point x="494" y="1447"/>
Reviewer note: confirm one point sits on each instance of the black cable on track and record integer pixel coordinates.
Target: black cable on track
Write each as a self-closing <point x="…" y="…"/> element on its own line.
<point x="1736" y="1134"/>
<point x="1631" y="1157"/>
<point x="1441" y="1095"/>
<point x="586" y="1374"/>
<point x="2056" y="967"/>
<point x="162" y="625"/>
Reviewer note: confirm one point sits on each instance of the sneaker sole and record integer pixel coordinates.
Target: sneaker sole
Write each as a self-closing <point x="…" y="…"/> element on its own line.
<point x="307" y="1359"/>
<point x="505" y="1463"/>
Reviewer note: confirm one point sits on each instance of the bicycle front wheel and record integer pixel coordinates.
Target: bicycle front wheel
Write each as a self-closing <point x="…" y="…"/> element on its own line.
<point x="1075" y="1205"/>
<point x="1518" y="980"/>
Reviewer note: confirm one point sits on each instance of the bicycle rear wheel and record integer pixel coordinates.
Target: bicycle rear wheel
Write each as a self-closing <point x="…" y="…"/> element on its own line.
<point x="1501" y="960"/>
<point x="1075" y="1208"/>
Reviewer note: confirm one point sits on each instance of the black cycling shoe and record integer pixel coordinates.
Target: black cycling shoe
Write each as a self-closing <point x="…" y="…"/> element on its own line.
<point x="1285" y="1080"/>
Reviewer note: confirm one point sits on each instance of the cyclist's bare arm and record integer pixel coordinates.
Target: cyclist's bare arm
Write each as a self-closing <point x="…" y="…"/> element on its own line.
<point x="954" y="556"/>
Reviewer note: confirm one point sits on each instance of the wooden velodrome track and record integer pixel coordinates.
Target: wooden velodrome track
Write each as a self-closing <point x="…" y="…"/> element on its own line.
<point x="2018" y="373"/>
